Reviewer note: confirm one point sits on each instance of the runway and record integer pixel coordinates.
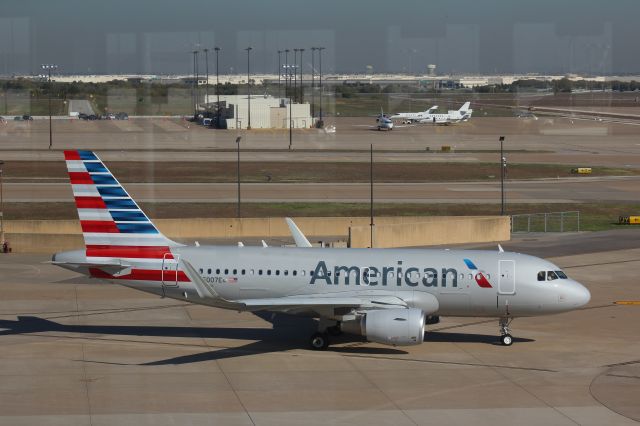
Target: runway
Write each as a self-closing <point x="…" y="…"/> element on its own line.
<point x="566" y="190"/>
<point x="73" y="353"/>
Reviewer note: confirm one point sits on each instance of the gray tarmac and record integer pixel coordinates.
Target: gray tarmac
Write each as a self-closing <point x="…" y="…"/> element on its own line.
<point x="73" y="352"/>
<point x="547" y="140"/>
<point x="76" y="352"/>
<point x="561" y="190"/>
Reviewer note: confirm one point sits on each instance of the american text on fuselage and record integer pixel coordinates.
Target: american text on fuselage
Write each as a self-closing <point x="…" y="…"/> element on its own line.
<point x="384" y="275"/>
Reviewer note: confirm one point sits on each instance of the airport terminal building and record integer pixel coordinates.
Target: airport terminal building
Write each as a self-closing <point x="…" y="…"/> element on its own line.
<point x="267" y="112"/>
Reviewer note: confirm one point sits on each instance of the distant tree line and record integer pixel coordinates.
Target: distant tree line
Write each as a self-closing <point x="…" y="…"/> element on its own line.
<point x="563" y="85"/>
<point x="158" y="92"/>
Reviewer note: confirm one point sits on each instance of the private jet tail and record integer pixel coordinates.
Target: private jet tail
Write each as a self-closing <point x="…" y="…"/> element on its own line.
<point x="464" y="108"/>
<point x="113" y="225"/>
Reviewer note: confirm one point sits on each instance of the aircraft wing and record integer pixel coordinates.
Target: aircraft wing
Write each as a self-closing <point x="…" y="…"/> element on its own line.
<point x="324" y="306"/>
<point x="316" y="305"/>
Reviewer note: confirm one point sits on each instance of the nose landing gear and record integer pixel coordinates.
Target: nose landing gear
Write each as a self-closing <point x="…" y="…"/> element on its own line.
<point x="505" y="337"/>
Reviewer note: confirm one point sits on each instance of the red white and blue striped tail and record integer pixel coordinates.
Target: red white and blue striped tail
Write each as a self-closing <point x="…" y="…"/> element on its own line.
<point x="113" y="225"/>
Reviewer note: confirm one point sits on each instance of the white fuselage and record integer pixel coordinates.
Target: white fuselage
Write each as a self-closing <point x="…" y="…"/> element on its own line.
<point x="508" y="285"/>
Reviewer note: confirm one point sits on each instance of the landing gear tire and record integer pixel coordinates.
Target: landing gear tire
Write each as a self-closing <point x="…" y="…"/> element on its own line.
<point x="506" y="340"/>
<point x="505" y="333"/>
<point x="319" y="341"/>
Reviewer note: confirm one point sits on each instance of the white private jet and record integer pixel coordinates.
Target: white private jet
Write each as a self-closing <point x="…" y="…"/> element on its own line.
<point x="431" y="116"/>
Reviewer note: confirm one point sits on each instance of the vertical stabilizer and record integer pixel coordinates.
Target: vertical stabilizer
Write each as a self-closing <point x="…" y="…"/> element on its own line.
<point x="113" y="225"/>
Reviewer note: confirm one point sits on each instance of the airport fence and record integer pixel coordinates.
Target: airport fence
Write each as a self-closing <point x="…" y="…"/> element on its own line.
<point x="568" y="221"/>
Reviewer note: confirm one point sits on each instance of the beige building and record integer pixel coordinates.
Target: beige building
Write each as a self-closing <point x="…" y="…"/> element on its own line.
<point x="267" y="112"/>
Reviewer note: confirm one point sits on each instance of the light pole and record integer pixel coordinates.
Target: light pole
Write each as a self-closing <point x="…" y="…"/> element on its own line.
<point x="238" y="146"/>
<point x="320" y="49"/>
<point x="300" y="100"/>
<point x="206" y="87"/>
<point x="503" y="165"/>
<point x="194" y="96"/>
<point x="248" y="49"/>
<point x="279" y="71"/>
<point x="295" y="74"/>
<point x="217" y="49"/>
<point x="290" y="113"/>
<point x="48" y="68"/>
<point x="197" y="80"/>
<point x="286" y="76"/>
<point x="371" y="224"/>
<point x="313" y="81"/>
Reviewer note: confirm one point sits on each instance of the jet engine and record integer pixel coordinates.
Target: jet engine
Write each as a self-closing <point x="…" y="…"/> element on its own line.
<point x="397" y="327"/>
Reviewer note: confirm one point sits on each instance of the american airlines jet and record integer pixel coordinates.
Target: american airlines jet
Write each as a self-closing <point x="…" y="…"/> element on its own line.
<point x="386" y="295"/>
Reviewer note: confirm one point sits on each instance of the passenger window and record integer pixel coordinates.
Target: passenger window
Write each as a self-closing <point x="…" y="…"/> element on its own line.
<point x="217" y="271"/>
<point x="259" y="271"/>
<point x="551" y="276"/>
<point x="226" y="271"/>
<point x="295" y="272"/>
<point x="470" y="276"/>
<point x="310" y="273"/>
<point x="200" y="270"/>
<point x="235" y="271"/>
<point x="542" y="276"/>
<point x="252" y="271"/>
<point x="303" y="272"/>
<point x="286" y="272"/>
<point x="277" y="271"/>
<point x="268" y="271"/>
<point x="208" y="271"/>
<point x="243" y="271"/>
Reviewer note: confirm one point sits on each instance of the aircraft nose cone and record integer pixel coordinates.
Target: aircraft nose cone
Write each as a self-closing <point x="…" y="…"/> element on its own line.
<point x="579" y="295"/>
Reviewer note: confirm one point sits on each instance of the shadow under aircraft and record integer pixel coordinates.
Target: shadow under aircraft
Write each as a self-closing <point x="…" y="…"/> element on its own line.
<point x="285" y="335"/>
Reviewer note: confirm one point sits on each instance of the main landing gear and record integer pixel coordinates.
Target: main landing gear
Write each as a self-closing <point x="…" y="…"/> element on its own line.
<point x="320" y="340"/>
<point x="505" y="337"/>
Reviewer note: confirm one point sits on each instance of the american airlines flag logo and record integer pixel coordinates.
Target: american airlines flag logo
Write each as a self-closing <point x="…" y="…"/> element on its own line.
<point x="479" y="276"/>
<point x="232" y="280"/>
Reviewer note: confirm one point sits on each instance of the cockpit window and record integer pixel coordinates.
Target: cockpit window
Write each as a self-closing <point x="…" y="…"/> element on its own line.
<point x="551" y="275"/>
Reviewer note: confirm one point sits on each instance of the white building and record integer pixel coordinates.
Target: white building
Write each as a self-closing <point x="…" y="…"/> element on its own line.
<point x="267" y="112"/>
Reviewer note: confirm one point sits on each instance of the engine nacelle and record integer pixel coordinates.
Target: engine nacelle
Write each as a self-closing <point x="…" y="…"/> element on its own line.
<point x="397" y="327"/>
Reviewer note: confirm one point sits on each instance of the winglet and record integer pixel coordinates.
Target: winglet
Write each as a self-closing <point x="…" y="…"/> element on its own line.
<point x="298" y="236"/>
<point x="264" y="244"/>
<point x="500" y="249"/>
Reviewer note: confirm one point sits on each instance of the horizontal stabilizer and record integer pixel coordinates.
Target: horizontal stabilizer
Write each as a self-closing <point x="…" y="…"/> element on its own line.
<point x="115" y="269"/>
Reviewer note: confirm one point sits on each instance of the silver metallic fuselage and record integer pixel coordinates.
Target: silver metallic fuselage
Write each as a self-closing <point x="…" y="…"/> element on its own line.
<point x="239" y="273"/>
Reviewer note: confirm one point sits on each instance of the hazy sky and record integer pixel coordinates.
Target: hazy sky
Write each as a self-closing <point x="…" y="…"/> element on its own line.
<point x="465" y="36"/>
